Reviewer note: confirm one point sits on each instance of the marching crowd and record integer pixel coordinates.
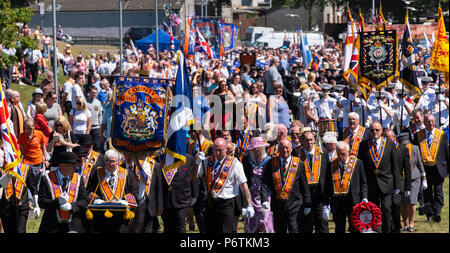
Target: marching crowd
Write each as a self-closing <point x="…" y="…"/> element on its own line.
<point x="298" y="147"/>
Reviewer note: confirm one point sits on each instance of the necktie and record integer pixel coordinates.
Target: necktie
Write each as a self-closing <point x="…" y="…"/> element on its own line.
<point x="429" y="138"/>
<point x="111" y="181"/>
<point x="194" y="152"/>
<point x="283" y="169"/>
<point x="64" y="187"/>
<point x="341" y="169"/>
<point x="216" y="167"/>
<point x="351" y="137"/>
<point x="310" y="157"/>
<point x="375" y="147"/>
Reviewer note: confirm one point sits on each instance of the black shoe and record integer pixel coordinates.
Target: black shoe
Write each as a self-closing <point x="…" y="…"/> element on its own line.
<point x="437" y="218"/>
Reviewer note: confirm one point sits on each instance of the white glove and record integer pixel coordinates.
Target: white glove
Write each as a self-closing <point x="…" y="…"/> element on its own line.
<point x="98" y="201"/>
<point x="363" y="103"/>
<point x="357" y="100"/>
<point x="440" y="97"/>
<point x="326" y="212"/>
<point x="306" y="210"/>
<point x="63" y="198"/>
<point x="424" y="184"/>
<point x="200" y="158"/>
<point x="66" y="207"/>
<point x="407" y="193"/>
<point x="250" y="212"/>
<point x="364" y="200"/>
<point x="123" y="202"/>
<point x="396" y="191"/>
<point x="380" y="104"/>
<point x="193" y="200"/>
<point x="244" y="212"/>
<point x="266" y="205"/>
<point x="36" y="212"/>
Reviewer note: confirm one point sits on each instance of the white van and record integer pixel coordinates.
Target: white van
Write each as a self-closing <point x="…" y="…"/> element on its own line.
<point x="255" y="32"/>
<point x="274" y="40"/>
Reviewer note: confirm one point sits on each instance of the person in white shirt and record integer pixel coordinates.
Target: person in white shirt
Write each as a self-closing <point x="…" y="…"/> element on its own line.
<point x="76" y="88"/>
<point x="66" y="99"/>
<point x="221" y="194"/>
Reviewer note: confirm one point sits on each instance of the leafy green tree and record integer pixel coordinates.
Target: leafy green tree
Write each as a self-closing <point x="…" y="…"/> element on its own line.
<point x="10" y="36"/>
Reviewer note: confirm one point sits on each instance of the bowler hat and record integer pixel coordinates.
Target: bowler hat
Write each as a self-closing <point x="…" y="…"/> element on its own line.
<point x="68" y="157"/>
<point x="403" y="138"/>
<point x="80" y="150"/>
<point x="85" y="139"/>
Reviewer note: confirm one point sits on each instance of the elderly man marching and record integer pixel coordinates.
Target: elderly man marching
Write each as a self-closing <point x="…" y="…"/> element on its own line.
<point x="113" y="187"/>
<point x="64" y="198"/>
<point x="224" y="175"/>
<point x="349" y="186"/>
<point x="433" y="145"/>
<point x="284" y="180"/>
<point x="354" y="134"/>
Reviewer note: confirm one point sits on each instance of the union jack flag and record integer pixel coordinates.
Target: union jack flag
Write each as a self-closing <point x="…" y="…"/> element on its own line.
<point x="202" y="46"/>
<point x="174" y="19"/>
<point x="9" y="142"/>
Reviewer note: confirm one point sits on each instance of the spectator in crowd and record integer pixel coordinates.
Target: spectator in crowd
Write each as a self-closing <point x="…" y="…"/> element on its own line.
<point x="95" y="107"/>
<point x="40" y="120"/>
<point x="53" y="108"/>
<point x="80" y="118"/>
<point x="61" y="139"/>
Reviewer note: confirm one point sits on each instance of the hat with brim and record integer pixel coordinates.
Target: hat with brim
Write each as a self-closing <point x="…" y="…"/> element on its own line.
<point x="257" y="142"/>
<point x="339" y="87"/>
<point x="85" y="139"/>
<point x="391" y="85"/>
<point x="403" y="138"/>
<point x="38" y="91"/>
<point x="326" y="87"/>
<point x="79" y="150"/>
<point x="68" y="157"/>
<point x="426" y="79"/>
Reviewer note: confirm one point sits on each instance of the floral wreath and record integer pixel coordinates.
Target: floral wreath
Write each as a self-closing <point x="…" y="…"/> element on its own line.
<point x="366" y="216"/>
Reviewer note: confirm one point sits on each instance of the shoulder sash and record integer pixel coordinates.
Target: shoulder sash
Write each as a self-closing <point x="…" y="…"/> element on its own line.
<point x="64" y="216"/>
<point x="216" y="182"/>
<point x="313" y="178"/>
<point x="354" y="144"/>
<point x="106" y="190"/>
<point x="18" y="185"/>
<point x="376" y="157"/>
<point x="87" y="167"/>
<point x="284" y="190"/>
<point x="342" y="185"/>
<point x="429" y="155"/>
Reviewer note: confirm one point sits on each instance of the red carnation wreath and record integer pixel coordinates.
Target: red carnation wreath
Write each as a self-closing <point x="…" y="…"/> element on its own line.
<point x="366" y="216"/>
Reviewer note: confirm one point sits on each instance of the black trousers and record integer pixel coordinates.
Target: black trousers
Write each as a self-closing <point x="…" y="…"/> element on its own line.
<point x="396" y="220"/>
<point x="341" y="213"/>
<point x="219" y="215"/>
<point x="175" y="220"/>
<point x="384" y="202"/>
<point x="434" y="193"/>
<point x="96" y="139"/>
<point x="32" y="71"/>
<point x="14" y="220"/>
<point x="315" y="218"/>
<point x="199" y="213"/>
<point x="284" y="222"/>
<point x="143" y="221"/>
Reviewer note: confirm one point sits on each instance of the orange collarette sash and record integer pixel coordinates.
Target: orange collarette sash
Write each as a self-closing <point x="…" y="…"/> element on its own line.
<point x="19" y="186"/>
<point x="354" y="144"/>
<point x="87" y="167"/>
<point x="410" y="149"/>
<point x="64" y="216"/>
<point x="342" y="185"/>
<point x="316" y="164"/>
<point x="429" y="155"/>
<point x="284" y="190"/>
<point x="217" y="182"/>
<point x="204" y="148"/>
<point x="376" y="157"/>
<point x="106" y="190"/>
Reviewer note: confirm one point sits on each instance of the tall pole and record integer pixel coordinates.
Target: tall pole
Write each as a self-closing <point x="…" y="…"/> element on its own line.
<point x="120" y="37"/>
<point x="185" y="15"/>
<point x="55" y="61"/>
<point x="157" y="26"/>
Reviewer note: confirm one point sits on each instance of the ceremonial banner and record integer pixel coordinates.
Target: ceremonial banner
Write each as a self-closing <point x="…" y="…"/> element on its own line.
<point x="378" y="57"/>
<point x="228" y="36"/>
<point x="408" y="74"/>
<point x="209" y="29"/>
<point x="139" y="115"/>
<point x="306" y="54"/>
<point x="439" y="56"/>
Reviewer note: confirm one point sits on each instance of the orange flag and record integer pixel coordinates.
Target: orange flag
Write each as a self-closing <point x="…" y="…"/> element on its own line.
<point x="439" y="56"/>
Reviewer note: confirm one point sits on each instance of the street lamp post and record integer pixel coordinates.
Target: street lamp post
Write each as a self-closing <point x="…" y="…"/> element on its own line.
<point x="55" y="61"/>
<point x="157" y="25"/>
<point x="120" y="37"/>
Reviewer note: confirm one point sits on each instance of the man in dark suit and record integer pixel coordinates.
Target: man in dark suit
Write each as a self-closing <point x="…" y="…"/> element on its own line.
<point x="64" y="198"/>
<point x="92" y="159"/>
<point x="404" y="165"/>
<point x="348" y="184"/>
<point x="103" y="189"/>
<point x="433" y="145"/>
<point x="283" y="178"/>
<point x="316" y="167"/>
<point x="381" y="167"/>
<point x="354" y="134"/>
<point x="179" y="193"/>
<point x="150" y="196"/>
<point x="14" y="206"/>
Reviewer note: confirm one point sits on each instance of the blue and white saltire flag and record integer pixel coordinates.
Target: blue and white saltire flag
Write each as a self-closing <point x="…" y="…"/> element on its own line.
<point x="306" y="54"/>
<point x="181" y="117"/>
